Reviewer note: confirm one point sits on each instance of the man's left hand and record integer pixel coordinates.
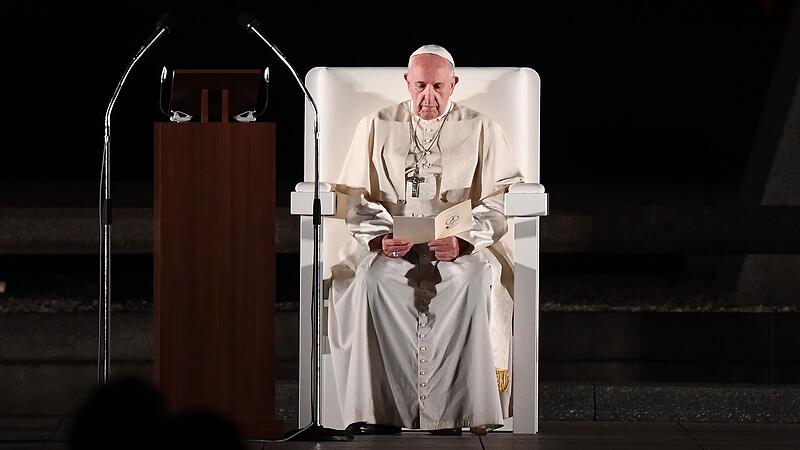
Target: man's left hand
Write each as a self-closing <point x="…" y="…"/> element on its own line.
<point x="447" y="249"/>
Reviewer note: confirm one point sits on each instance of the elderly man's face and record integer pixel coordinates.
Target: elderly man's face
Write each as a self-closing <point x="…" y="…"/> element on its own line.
<point x="430" y="85"/>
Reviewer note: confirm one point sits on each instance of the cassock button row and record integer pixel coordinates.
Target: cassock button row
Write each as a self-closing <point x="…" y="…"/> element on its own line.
<point x="423" y="384"/>
<point x="423" y="361"/>
<point x="422" y="372"/>
<point x="423" y="397"/>
<point x="423" y="336"/>
<point x="423" y="348"/>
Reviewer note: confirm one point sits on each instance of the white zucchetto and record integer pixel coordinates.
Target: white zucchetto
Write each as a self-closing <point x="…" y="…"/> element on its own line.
<point x="433" y="50"/>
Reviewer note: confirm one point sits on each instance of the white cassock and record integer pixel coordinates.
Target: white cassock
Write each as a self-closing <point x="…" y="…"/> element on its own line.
<point x="417" y="342"/>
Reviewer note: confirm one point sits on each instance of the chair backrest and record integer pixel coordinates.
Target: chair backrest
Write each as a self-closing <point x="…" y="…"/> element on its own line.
<point x="509" y="95"/>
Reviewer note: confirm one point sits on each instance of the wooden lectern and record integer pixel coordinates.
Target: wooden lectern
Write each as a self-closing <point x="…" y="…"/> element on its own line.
<point x="215" y="254"/>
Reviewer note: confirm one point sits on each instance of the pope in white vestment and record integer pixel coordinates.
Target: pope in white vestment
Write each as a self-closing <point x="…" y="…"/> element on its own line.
<point x="421" y="338"/>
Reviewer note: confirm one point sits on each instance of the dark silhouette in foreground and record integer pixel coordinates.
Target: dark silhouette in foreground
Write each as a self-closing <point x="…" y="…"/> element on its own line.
<point x="130" y="413"/>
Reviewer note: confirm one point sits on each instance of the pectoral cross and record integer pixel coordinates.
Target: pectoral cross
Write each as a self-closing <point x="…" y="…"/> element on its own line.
<point x="415" y="182"/>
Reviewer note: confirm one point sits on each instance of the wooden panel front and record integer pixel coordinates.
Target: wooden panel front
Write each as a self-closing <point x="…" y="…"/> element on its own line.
<point x="215" y="269"/>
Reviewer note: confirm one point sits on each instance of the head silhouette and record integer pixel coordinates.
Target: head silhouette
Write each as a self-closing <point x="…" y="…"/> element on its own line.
<point x="126" y="413"/>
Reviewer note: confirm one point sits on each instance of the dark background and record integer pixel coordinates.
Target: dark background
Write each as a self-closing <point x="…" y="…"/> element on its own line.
<point x="644" y="104"/>
<point x="632" y="93"/>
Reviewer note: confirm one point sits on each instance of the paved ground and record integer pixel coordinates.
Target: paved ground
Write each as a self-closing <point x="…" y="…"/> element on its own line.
<point x="51" y="432"/>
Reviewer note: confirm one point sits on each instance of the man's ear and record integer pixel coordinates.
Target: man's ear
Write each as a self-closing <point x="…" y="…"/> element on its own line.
<point x="455" y="80"/>
<point x="405" y="77"/>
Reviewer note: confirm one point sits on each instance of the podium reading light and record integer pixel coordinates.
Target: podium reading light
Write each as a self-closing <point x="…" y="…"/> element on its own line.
<point x="250" y="115"/>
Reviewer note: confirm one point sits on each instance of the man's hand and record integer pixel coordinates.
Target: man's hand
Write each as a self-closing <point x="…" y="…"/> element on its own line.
<point x="447" y="249"/>
<point x="394" y="248"/>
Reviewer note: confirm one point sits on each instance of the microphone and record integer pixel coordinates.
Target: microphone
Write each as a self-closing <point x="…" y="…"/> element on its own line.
<point x="165" y="22"/>
<point x="164" y="25"/>
<point x="314" y="431"/>
<point x="249" y="21"/>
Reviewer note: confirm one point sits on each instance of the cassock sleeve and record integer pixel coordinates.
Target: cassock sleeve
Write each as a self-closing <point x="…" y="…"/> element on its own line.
<point x="498" y="170"/>
<point x="355" y="174"/>
<point x="366" y="219"/>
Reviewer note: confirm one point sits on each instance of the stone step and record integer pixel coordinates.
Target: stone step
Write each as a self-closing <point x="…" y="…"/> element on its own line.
<point x="568" y="283"/>
<point x="694" y="229"/>
<point x="75" y="231"/>
<point x="621" y="365"/>
<point x="574" y="346"/>
<point x="59" y="389"/>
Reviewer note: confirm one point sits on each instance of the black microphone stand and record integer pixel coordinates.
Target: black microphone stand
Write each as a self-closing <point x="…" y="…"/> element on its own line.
<point x="104" y="305"/>
<point x="314" y="431"/>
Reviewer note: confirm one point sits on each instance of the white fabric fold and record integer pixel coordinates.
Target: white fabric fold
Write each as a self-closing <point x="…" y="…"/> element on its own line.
<point x="381" y="307"/>
<point x="367" y="220"/>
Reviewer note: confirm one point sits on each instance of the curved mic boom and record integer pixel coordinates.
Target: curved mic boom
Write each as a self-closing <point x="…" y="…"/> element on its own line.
<point x="164" y="25"/>
<point x="314" y="431"/>
<point x="249" y="22"/>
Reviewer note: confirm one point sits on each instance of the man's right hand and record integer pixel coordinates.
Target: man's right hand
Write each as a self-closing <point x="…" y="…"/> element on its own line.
<point x="394" y="248"/>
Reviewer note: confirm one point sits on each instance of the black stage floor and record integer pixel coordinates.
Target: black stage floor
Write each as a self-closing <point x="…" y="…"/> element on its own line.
<point x="51" y="432"/>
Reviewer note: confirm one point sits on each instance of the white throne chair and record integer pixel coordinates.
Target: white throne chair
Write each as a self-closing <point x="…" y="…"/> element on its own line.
<point x="344" y="95"/>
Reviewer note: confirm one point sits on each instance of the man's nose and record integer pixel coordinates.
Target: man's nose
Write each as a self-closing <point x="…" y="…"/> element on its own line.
<point x="428" y="94"/>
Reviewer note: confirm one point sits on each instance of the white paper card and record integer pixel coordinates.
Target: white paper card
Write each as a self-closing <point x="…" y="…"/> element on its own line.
<point x="419" y="230"/>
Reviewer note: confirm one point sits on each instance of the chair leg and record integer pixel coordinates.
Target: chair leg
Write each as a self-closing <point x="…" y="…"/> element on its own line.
<point x="526" y="325"/>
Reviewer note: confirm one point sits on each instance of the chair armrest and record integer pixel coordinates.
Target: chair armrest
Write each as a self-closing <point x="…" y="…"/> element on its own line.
<point x="302" y="199"/>
<point x="526" y="200"/>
